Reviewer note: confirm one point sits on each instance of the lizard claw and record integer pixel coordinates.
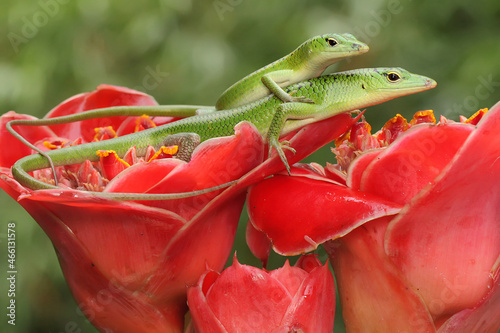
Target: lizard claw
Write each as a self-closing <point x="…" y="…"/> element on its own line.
<point x="300" y="99"/>
<point x="279" y="146"/>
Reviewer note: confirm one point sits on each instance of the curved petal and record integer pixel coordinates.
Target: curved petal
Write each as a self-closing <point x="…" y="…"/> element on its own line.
<point x="103" y="96"/>
<point x="228" y="157"/>
<point x="358" y="167"/>
<point x="447" y="240"/>
<point x="413" y="161"/>
<point x="248" y="299"/>
<point x="205" y="241"/>
<point x="140" y="177"/>
<point x="259" y="244"/>
<point x="16" y="149"/>
<point x="374" y="295"/>
<point x="308" y="262"/>
<point x="202" y="316"/>
<point x="281" y="208"/>
<point x="100" y="225"/>
<point x="482" y="318"/>
<point x="313" y="306"/>
<point x="110" y="294"/>
<point x="10" y="186"/>
<point x="290" y="277"/>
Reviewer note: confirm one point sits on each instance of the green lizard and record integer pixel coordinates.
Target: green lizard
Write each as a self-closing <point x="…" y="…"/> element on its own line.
<point x="309" y="60"/>
<point x="332" y="94"/>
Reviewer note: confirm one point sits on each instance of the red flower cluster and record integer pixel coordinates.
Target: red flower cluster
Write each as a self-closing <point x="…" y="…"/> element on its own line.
<point x="413" y="224"/>
<point x="409" y="218"/>
<point x="139" y="257"/>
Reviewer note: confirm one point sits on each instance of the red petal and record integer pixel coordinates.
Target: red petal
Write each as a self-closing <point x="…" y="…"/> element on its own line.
<point x="290" y="277"/>
<point x="93" y="239"/>
<point x="103" y="96"/>
<point x="482" y="318"/>
<point x="375" y="296"/>
<point x="228" y="159"/>
<point x="358" y="167"/>
<point x="308" y="262"/>
<point x="100" y="225"/>
<point x="313" y="306"/>
<point x="448" y="239"/>
<point x="413" y="161"/>
<point x="281" y="207"/>
<point x="247" y="299"/>
<point x="129" y="125"/>
<point x="162" y="260"/>
<point x="202" y="317"/>
<point x="140" y="177"/>
<point x="111" y="164"/>
<point x="392" y="130"/>
<point x="258" y="243"/>
<point x="12" y="148"/>
<point x="205" y="241"/>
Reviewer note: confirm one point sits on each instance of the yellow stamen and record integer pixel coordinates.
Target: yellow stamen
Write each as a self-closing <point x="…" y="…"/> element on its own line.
<point x="426" y="114"/>
<point x="479" y="113"/>
<point x="171" y="150"/>
<point x="106" y="153"/>
<point x="101" y="131"/>
<point x="145" y="122"/>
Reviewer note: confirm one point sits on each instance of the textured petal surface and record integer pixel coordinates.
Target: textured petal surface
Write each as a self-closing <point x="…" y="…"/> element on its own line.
<point x="448" y="239"/>
<point x="102" y="225"/>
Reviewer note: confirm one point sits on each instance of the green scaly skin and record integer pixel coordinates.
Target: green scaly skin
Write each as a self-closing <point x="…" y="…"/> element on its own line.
<point x="332" y="94"/>
<point x="309" y="60"/>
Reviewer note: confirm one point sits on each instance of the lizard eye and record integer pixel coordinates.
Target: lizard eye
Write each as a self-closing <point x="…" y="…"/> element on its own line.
<point x="393" y="77"/>
<point x="331" y="41"/>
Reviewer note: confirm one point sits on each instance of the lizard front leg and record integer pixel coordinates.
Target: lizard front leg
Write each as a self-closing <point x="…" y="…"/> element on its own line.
<point x="283" y="113"/>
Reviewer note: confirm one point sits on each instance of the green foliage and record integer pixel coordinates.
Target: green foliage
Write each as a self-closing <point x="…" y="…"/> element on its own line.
<point x="188" y="52"/>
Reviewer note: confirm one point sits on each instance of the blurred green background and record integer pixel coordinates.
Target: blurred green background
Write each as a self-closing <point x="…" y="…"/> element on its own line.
<point x="188" y="52"/>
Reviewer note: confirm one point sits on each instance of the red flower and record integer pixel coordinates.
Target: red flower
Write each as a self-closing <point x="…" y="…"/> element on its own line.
<point x="128" y="263"/>
<point x="247" y="299"/>
<point x="415" y="224"/>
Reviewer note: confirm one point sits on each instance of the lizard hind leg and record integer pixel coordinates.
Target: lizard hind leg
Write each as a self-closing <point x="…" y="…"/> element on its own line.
<point x="187" y="142"/>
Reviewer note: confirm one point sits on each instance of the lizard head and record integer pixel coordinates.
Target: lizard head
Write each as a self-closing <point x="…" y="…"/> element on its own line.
<point x="334" y="46"/>
<point x="322" y="51"/>
<point x="394" y="82"/>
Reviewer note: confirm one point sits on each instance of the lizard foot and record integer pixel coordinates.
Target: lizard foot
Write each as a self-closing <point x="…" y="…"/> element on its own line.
<point x="300" y="99"/>
<point x="279" y="146"/>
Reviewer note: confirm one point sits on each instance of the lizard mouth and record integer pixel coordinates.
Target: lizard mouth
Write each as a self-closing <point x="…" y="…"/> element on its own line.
<point x="430" y="83"/>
